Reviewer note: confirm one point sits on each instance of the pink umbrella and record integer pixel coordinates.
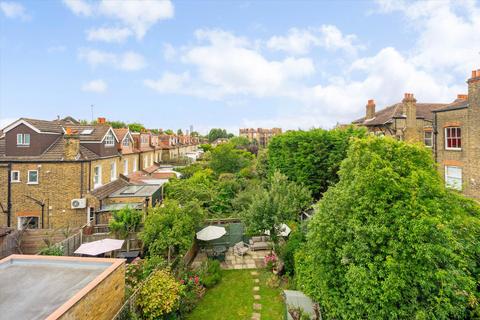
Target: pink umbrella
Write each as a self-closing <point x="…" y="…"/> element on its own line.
<point x="98" y="247"/>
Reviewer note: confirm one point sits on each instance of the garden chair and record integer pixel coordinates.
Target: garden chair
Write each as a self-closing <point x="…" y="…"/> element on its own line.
<point x="240" y="249"/>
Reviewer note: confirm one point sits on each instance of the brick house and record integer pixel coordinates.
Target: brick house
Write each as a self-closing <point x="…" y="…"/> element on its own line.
<point x="61" y="173"/>
<point x="405" y="120"/>
<point x="50" y="168"/>
<point x="261" y="136"/>
<point x="457" y="140"/>
<point x="144" y="148"/>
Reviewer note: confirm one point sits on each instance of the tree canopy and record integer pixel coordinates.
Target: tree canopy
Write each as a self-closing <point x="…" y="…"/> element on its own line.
<point x="170" y="229"/>
<point x="226" y="158"/>
<point x="281" y="202"/>
<point x="136" y="127"/>
<point x="311" y="158"/>
<point x="390" y="242"/>
<point x="217" y="133"/>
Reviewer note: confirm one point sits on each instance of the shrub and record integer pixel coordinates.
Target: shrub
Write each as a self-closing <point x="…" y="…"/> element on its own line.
<point x="159" y="296"/>
<point x="390" y="242"/>
<point x="52" y="251"/>
<point x="287" y="251"/>
<point x="211" y="273"/>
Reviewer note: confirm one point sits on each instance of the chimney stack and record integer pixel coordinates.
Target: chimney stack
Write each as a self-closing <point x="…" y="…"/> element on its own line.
<point x="370" y="109"/>
<point x="474" y="89"/>
<point x="71" y="148"/>
<point x="462" y="96"/>
<point x="410" y="112"/>
<point x="101" y="120"/>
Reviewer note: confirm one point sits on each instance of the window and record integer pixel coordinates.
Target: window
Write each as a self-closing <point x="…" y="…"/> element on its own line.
<point x="125" y="167"/>
<point x="453" y="138"/>
<point x="23" y="139"/>
<point x="15" y="176"/>
<point x="113" y="171"/>
<point x="134" y="165"/>
<point x="144" y="139"/>
<point x="27" y="223"/>
<point x="32" y="177"/>
<point x="145" y="162"/>
<point x="110" y="140"/>
<point x="453" y="177"/>
<point x="97" y="176"/>
<point x="428" y="138"/>
<point x="126" y="142"/>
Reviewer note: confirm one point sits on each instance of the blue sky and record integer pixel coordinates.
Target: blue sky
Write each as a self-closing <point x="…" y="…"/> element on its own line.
<point x="231" y="64"/>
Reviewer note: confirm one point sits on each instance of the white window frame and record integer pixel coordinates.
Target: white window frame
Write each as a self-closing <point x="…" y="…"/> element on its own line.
<point x="144" y="139"/>
<point x="22" y="139"/>
<point x="145" y="161"/>
<point x="135" y="165"/>
<point x="126" y="142"/>
<point x="425" y="139"/>
<point x="18" y="175"/>
<point x="109" y="140"/>
<point x="28" y="177"/>
<point x="125" y="167"/>
<point x="451" y="181"/>
<point x="446" y="138"/>
<point x="99" y="177"/>
<point x="113" y="171"/>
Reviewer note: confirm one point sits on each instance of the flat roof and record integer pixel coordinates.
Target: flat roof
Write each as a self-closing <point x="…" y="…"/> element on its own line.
<point x="146" y="190"/>
<point x="40" y="287"/>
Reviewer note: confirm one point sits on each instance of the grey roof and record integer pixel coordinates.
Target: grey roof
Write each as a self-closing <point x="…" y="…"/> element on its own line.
<point x="97" y="133"/>
<point x="44" y="125"/>
<point x="55" y="152"/>
<point x="119" y="206"/>
<point x="135" y="191"/>
<point x="298" y="299"/>
<point x="455" y="105"/>
<point x="424" y="111"/>
<point x="105" y="191"/>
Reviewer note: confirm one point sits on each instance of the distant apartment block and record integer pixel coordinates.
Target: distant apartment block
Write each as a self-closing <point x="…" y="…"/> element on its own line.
<point x="451" y="130"/>
<point x="260" y="136"/>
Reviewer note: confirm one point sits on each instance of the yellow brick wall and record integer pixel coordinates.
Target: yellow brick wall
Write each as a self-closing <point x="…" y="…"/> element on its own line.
<point x="105" y="165"/>
<point x="58" y="184"/>
<point x="3" y="193"/>
<point x="458" y="158"/>
<point x="103" y="302"/>
<point x="149" y="155"/>
<point x="131" y="162"/>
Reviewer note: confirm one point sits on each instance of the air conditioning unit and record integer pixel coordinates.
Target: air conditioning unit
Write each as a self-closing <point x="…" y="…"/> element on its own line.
<point x="79" y="203"/>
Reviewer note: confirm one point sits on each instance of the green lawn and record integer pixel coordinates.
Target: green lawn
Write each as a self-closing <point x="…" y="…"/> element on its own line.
<point x="232" y="299"/>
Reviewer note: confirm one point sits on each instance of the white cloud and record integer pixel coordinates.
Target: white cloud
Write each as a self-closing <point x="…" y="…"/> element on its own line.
<point x="14" y="10"/>
<point x="79" y="7"/>
<point x="118" y="35"/>
<point x="226" y="65"/>
<point x="128" y="61"/>
<point x="135" y="16"/>
<point x="131" y="61"/>
<point x="169" y="52"/>
<point x="169" y="82"/>
<point x="97" y="86"/>
<point x="300" y="41"/>
<point x="138" y="15"/>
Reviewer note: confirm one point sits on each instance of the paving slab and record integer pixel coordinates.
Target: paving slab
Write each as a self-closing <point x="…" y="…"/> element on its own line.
<point x="256" y="316"/>
<point x="257" y="306"/>
<point x="256" y="288"/>
<point x="256" y="297"/>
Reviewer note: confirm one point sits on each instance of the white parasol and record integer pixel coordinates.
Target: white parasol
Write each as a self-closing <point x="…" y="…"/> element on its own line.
<point x="98" y="247"/>
<point x="211" y="233"/>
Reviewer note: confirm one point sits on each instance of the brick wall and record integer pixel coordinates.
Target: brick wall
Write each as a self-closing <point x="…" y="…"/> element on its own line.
<point x="3" y="193"/>
<point x="103" y="301"/>
<point x="473" y="144"/>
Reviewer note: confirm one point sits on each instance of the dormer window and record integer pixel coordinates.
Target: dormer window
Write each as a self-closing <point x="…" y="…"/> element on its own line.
<point x="109" y="140"/>
<point x="126" y="142"/>
<point x="23" y="139"/>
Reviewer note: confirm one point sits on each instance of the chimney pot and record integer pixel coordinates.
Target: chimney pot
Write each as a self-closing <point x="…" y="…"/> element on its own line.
<point x="474" y="74"/>
<point x="462" y="96"/>
<point x="68" y="131"/>
<point x="101" y="120"/>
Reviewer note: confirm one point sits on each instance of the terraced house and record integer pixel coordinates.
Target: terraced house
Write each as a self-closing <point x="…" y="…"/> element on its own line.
<point x="61" y="173"/>
<point x="451" y="130"/>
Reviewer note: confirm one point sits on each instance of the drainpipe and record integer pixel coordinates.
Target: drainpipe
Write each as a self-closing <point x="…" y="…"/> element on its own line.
<point x="435" y="133"/>
<point x="9" y="196"/>
<point x="81" y="179"/>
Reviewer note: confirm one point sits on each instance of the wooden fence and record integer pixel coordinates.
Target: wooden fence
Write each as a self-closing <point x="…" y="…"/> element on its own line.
<point x="10" y="244"/>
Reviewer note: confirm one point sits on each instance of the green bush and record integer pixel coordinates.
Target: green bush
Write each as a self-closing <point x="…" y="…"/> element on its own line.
<point x="52" y="251"/>
<point x="159" y="296"/>
<point x="388" y="241"/>
<point x="287" y="251"/>
<point x="210" y="273"/>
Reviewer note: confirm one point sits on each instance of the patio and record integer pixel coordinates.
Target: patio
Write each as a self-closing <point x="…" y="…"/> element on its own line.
<point x="251" y="260"/>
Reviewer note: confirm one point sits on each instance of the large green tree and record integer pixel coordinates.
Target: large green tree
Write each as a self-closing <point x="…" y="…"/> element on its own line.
<point x="282" y="201"/>
<point x="226" y="158"/>
<point x="124" y="222"/>
<point x="390" y="242"/>
<point x="217" y="133"/>
<point x="170" y="229"/>
<point x="312" y="157"/>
